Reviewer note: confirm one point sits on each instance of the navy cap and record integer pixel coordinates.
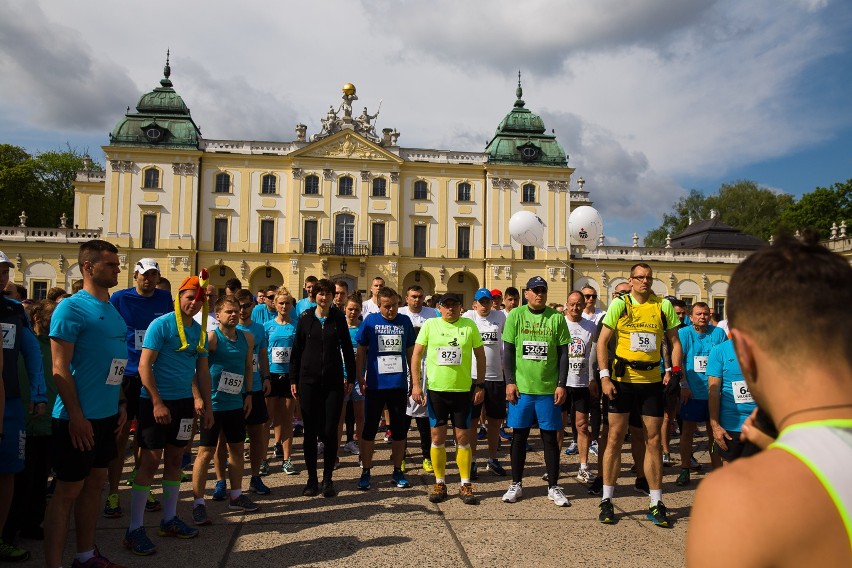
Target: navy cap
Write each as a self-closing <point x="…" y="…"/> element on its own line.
<point x="450" y="296"/>
<point x="536" y="282"/>
<point x="483" y="293"/>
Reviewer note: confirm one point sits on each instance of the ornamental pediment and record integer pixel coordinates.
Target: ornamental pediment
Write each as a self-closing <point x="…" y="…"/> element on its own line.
<point x="347" y="145"/>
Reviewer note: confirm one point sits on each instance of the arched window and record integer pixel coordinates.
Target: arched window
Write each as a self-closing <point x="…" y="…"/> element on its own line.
<point x="223" y="183"/>
<point x="268" y="184"/>
<point x="151" y="179"/>
<point x="312" y="185"/>
<point x="463" y="193"/>
<point x="344" y="186"/>
<point x="529" y="193"/>
<point x="421" y="189"/>
<point x="380" y="187"/>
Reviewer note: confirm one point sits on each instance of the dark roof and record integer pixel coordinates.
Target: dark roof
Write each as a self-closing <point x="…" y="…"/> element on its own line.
<point x="713" y="234"/>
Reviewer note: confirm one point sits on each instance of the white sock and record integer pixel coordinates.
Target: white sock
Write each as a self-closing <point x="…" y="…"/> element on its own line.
<point x="608" y="492"/>
<point x="83" y="557"/>
<point x="235" y="493"/>
<point x="584" y="466"/>
<point x="196" y="502"/>
<point x="656" y="496"/>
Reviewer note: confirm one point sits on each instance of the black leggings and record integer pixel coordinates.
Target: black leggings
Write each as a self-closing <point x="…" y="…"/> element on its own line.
<point x="425" y="435"/>
<point x="321" y="409"/>
<point x="519" y="454"/>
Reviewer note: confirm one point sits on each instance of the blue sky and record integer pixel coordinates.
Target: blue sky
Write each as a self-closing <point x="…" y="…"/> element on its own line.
<point x="650" y="98"/>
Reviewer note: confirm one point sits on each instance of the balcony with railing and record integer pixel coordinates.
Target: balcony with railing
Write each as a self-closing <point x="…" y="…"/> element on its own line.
<point x="332" y="249"/>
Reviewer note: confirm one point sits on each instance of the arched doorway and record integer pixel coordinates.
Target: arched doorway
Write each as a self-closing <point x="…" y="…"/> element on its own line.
<point x="420" y="278"/>
<point x="465" y="285"/>
<point x="349" y="279"/>
<point x="219" y="274"/>
<point x="266" y="276"/>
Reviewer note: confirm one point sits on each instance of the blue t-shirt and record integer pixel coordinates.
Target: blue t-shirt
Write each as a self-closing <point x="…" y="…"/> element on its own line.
<point x="696" y="349"/>
<point x="261" y="314"/>
<point x="229" y="357"/>
<point x="138" y="313"/>
<point x="173" y="369"/>
<point x="735" y="401"/>
<point x="387" y="342"/>
<point x="279" y="344"/>
<point x="303" y="305"/>
<point x="100" y="353"/>
<point x="353" y="332"/>
<point x="259" y="335"/>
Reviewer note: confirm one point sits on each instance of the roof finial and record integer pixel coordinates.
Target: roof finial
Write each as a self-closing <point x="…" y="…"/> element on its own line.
<point x="167" y="70"/>
<point x="519" y="92"/>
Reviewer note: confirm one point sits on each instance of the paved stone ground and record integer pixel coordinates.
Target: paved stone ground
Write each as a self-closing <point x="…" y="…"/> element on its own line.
<point x="387" y="526"/>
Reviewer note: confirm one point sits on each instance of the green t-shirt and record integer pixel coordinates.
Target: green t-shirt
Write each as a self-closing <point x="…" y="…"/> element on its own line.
<point x="536" y="338"/>
<point x="449" y="353"/>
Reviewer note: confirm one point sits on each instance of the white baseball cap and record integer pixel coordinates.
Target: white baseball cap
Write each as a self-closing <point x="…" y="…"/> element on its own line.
<point x="143" y="265"/>
<point x="5" y="260"/>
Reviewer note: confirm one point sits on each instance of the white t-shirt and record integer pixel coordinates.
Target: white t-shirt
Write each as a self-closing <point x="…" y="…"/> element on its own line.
<point x="415" y="409"/>
<point x="369" y="307"/>
<point x="578" y="351"/>
<point x="491" y="330"/>
<point x="212" y="321"/>
<point x="723" y="325"/>
<point x="595" y="317"/>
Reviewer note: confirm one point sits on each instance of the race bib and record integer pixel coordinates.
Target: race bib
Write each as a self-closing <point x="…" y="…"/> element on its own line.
<point x="390" y="364"/>
<point x="575" y="366"/>
<point x="10" y="332"/>
<point x="230" y="383"/>
<point x="116" y="371"/>
<point x="390" y="343"/>
<point x="254" y="366"/>
<point x="741" y="393"/>
<point x="644" y="342"/>
<point x="138" y="339"/>
<point x="700" y="363"/>
<point x="185" y="429"/>
<point x="281" y="354"/>
<point x="534" y="350"/>
<point x="488" y="337"/>
<point x="449" y="355"/>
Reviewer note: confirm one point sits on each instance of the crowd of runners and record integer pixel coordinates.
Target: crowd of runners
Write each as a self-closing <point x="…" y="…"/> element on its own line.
<point x="188" y="377"/>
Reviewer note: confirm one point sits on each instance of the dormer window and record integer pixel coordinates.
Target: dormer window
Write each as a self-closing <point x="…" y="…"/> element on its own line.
<point x="529" y="152"/>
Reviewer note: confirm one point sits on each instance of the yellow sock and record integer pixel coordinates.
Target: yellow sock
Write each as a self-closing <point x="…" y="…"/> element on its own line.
<point x="439" y="462"/>
<point x="464" y="457"/>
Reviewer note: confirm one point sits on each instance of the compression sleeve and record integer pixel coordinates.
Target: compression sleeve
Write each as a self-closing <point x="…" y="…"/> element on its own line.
<point x="562" y="362"/>
<point x="509" y="362"/>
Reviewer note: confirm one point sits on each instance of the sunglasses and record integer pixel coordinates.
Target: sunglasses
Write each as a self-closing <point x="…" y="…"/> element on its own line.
<point x="246" y="306"/>
<point x="270" y="297"/>
<point x="587" y="296"/>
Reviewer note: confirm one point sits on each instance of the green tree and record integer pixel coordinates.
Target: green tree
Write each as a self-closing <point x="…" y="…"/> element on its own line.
<point x="693" y="205"/>
<point x="821" y="208"/>
<point x="41" y="184"/>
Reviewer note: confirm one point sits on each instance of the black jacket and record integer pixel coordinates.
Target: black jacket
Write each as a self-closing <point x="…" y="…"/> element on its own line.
<point x="320" y="351"/>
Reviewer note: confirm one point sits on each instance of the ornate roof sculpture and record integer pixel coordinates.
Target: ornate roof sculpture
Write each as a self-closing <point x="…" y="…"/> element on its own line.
<point x="362" y="124"/>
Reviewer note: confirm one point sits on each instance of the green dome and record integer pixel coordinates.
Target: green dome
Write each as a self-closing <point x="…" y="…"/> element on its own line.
<point x="521" y="138"/>
<point x="161" y="119"/>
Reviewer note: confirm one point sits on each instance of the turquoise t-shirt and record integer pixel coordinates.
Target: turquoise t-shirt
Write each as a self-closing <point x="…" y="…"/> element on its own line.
<point x="259" y="335"/>
<point x="229" y="360"/>
<point x="696" y="349"/>
<point x="279" y="345"/>
<point x="97" y="331"/>
<point x="735" y="401"/>
<point x="173" y="369"/>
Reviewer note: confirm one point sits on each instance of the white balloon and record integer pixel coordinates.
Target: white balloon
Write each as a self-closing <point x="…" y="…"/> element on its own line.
<point x="585" y="226"/>
<point x="527" y="228"/>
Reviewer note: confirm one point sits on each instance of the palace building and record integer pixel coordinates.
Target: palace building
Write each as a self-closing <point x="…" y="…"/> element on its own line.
<point x="348" y="202"/>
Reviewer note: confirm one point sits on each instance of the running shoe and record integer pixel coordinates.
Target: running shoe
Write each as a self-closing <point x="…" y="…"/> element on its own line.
<point x="176" y="528"/>
<point x="683" y="478"/>
<point x="505" y="435"/>
<point x="387" y="435"/>
<point x="474" y="470"/>
<point x="658" y="515"/>
<point x="220" y="492"/>
<point x="597" y="486"/>
<point x="287" y="467"/>
<point x="593" y="448"/>
<point x="112" y="508"/>
<point x="298" y="429"/>
<point x="571" y="449"/>
<point x="243" y="503"/>
<point x="482" y="433"/>
<point x="256" y="485"/>
<point x="311" y="489"/>
<point x="427" y="466"/>
<point x="694" y="465"/>
<point x="364" y="480"/>
<point x="264" y="468"/>
<point x="545" y="476"/>
<point x="328" y="489"/>
<point x="667" y="459"/>
<point x="278" y="451"/>
<point x="607" y="514"/>
<point x="199" y="515"/>
<point x="11" y="553"/>
<point x="320" y="448"/>
<point x="152" y="505"/>
<point x="133" y="425"/>
<point x="336" y="464"/>
<point x="558" y="497"/>
<point x="494" y="467"/>
<point x="585" y="476"/>
<point x="96" y="561"/>
<point x="398" y="478"/>
<point x="352" y="447"/>
<point x="515" y="492"/>
<point x="438" y="493"/>
<point x="131" y="478"/>
<point x="138" y="542"/>
<point x="466" y="494"/>
<point x="641" y="486"/>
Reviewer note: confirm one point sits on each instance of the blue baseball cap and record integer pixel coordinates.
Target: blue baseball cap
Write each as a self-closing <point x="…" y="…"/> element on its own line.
<point x="483" y="293"/>
<point x="536" y="282"/>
